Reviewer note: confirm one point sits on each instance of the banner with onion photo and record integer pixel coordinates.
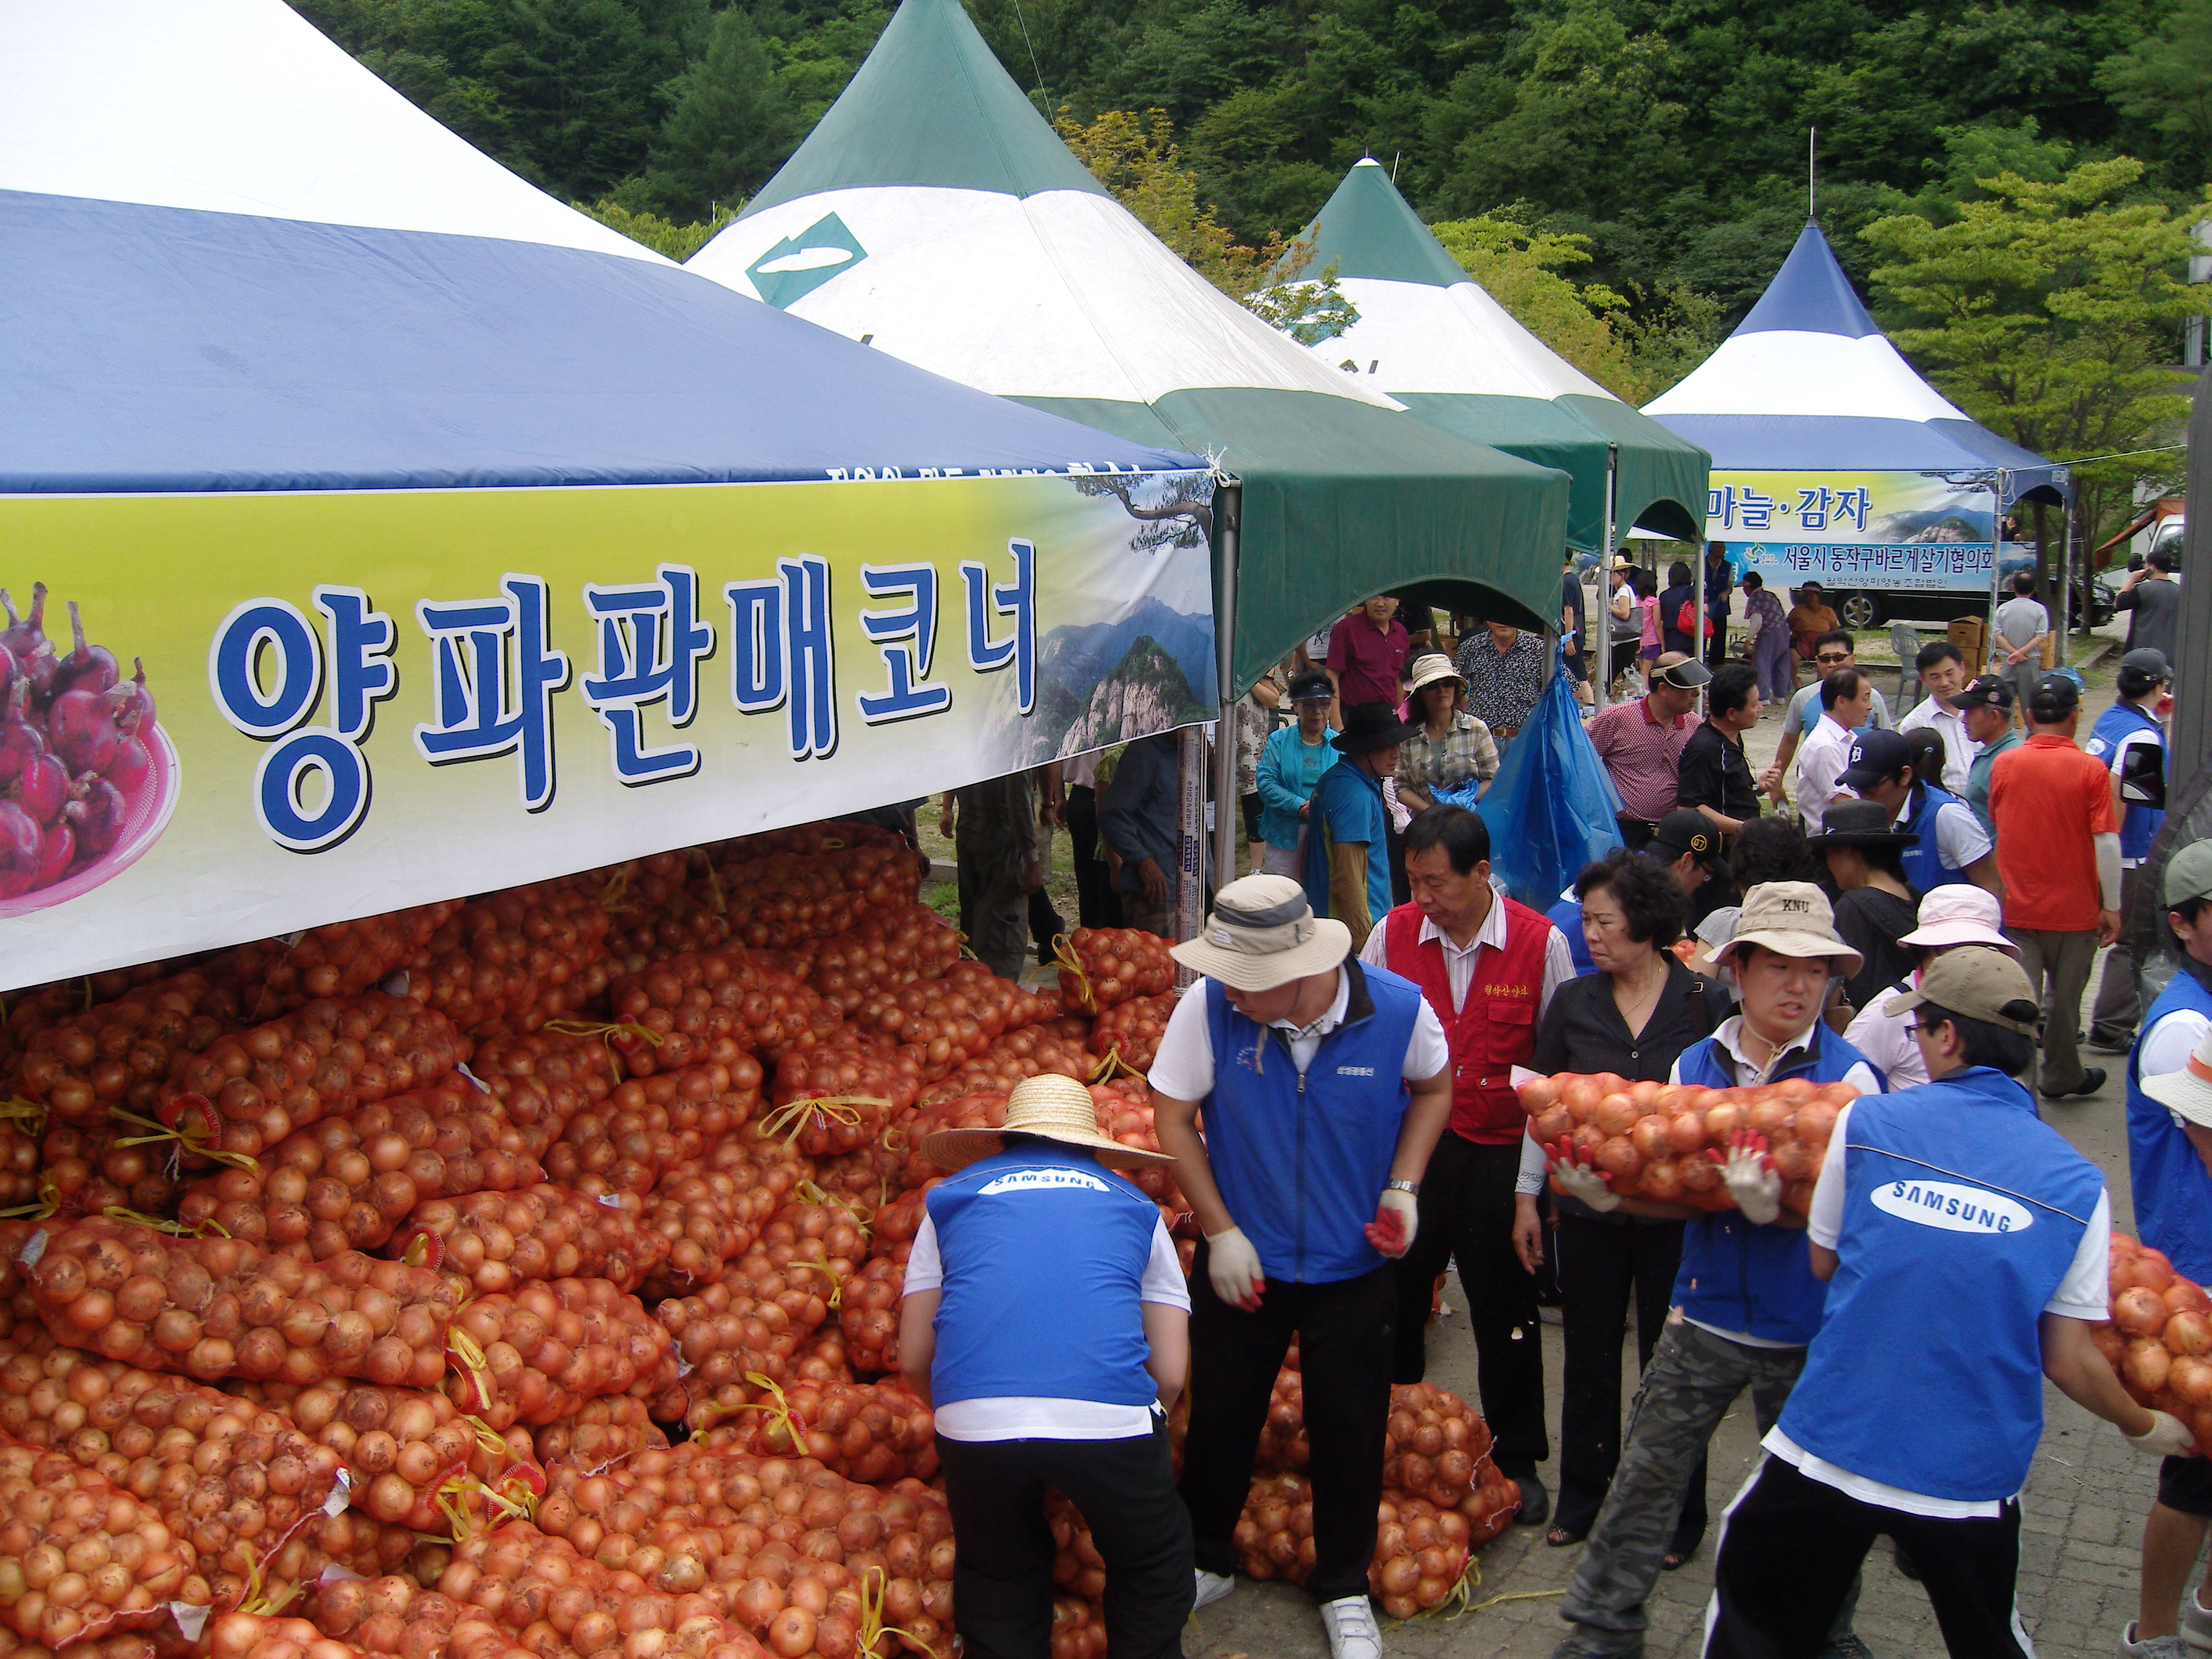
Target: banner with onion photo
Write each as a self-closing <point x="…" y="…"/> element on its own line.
<point x="288" y="709"/>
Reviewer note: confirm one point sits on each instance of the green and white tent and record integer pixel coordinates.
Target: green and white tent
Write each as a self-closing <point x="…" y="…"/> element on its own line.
<point x="934" y="214"/>
<point x="1434" y="339"/>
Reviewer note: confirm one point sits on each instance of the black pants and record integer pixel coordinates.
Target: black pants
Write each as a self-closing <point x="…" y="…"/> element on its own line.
<point x="1096" y="905"/>
<point x="1635" y="833"/>
<point x="1467" y="1214"/>
<point x="1604" y="1270"/>
<point x="1344" y="1350"/>
<point x="1002" y="1580"/>
<point x="1791" y="1550"/>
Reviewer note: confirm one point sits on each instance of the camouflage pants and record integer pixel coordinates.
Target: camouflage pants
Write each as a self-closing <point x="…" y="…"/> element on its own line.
<point x="1694" y="1377"/>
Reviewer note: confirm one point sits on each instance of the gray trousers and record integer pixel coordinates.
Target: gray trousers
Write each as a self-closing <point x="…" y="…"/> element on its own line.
<point x="1694" y="1377"/>
<point x="2057" y="965"/>
<point x="996" y="912"/>
<point x="2119" y="994"/>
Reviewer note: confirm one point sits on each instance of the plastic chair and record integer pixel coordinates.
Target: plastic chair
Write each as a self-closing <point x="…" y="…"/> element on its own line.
<point x="1904" y="640"/>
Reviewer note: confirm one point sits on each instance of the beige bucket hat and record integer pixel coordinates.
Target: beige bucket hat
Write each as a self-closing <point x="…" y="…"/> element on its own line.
<point x="1792" y="919"/>
<point x="1262" y="933"/>
<point x="1054" y="1107"/>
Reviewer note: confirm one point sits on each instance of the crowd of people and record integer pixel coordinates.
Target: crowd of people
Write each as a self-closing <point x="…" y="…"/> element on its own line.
<point x="1909" y="902"/>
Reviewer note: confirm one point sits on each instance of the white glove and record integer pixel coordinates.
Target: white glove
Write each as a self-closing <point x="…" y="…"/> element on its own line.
<point x="2168" y="1437"/>
<point x="1233" y="1266"/>
<point x="1407" y="1209"/>
<point x="1756" y="1188"/>
<point x="1580" y="1180"/>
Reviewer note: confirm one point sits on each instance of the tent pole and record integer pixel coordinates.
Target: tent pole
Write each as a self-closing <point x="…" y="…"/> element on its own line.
<point x="1996" y="553"/>
<point x="2066" y="586"/>
<point x="1602" y="692"/>
<point x="1698" y="578"/>
<point x="1190" y="857"/>
<point x="1228" y="513"/>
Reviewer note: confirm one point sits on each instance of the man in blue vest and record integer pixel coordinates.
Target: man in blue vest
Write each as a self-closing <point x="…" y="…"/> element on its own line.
<point x="1325" y="1083"/>
<point x="1746" y="1300"/>
<point x="1046" y="1319"/>
<point x="1919" y="1409"/>
<point x="2170" y="1176"/>
<point x="1953" y="845"/>
<point x="2130" y="739"/>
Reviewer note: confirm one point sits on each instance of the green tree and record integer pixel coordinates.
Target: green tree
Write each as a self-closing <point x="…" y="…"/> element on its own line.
<point x="2049" y="312"/>
<point x="731" y="124"/>
<point x="664" y="236"/>
<point x="2161" y="88"/>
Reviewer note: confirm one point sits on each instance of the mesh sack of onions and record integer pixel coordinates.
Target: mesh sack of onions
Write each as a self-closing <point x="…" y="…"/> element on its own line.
<point x="545" y="1078"/>
<point x="19" y="1161"/>
<point x="1659" y="1140"/>
<point x="261" y="1636"/>
<point x="869" y="1177"/>
<point x="894" y="1227"/>
<point x="1078" y="1577"/>
<point x="2159" y="1336"/>
<point x="80" y="1558"/>
<point x="250" y="1090"/>
<point x="882" y="953"/>
<point x="534" y="1356"/>
<point x="981" y="1111"/>
<point x="944" y="1020"/>
<point x="517" y="957"/>
<point x="332" y="1547"/>
<point x="1030" y="1052"/>
<point x="675" y="1012"/>
<point x="711" y="1210"/>
<point x="391" y="1614"/>
<point x="120" y="1054"/>
<point x="654" y="911"/>
<point x="815" y="1245"/>
<point x="43" y="1006"/>
<point x="598" y="1433"/>
<point x="788" y="897"/>
<point x="488" y="1243"/>
<point x="1421" y="1551"/>
<point x="822" y="1359"/>
<point x="1102" y="967"/>
<point x="729" y="1334"/>
<point x="1125" y="1112"/>
<point x="868" y="1314"/>
<point x="344" y="959"/>
<point x="833" y="1099"/>
<point x="232" y="1479"/>
<point x="873" y="1432"/>
<point x="606" y="1151"/>
<point x="1130" y="1031"/>
<point x="348" y="1182"/>
<point x="87" y="1168"/>
<point x="212" y="1308"/>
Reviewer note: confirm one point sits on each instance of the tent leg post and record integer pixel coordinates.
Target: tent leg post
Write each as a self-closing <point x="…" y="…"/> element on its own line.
<point x="1228" y="513"/>
<point x="1190" y="857"/>
<point x="2066" y="586"/>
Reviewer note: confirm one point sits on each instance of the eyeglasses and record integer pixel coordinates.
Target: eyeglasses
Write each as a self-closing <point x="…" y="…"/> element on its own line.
<point x="1834" y="658"/>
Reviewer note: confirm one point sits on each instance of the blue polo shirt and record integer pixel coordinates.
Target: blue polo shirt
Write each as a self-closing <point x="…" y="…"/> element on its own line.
<point x="1348" y="805"/>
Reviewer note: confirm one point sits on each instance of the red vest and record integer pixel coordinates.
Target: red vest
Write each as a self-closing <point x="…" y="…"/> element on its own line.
<point x="1496" y="1031"/>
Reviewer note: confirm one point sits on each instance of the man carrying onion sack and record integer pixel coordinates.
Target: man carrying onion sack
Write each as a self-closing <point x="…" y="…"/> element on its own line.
<point x="1046" y="1320"/>
<point x="1746" y="1301"/>
<point x="1953" y="1183"/>
<point x="1488" y="967"/>
<point x="1325" y="1084"/>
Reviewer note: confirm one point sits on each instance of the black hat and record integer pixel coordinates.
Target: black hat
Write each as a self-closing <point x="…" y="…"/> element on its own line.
<point x="1858" y="823"/>
<point x="1987" y="692"/>
<point x="1685" y="830"/>
<point x="1312" y="683"/>
<point x="2142" y="670"/>
<point x="1369" y="726"/>
<point x="1875" y="756"/>
<point x="2054" y="698"/>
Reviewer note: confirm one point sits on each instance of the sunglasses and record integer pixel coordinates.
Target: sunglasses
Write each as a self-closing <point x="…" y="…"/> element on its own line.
<point x="1834" y="658"/>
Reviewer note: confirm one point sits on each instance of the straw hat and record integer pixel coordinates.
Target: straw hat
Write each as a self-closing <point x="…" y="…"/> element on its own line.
<point x="1959" y="912"/>
<point x="1262" y="933"/>
<point x="2188" y="1091"/>
<point x="1975" y="983"/>
<point x="1049" y="1105"/>
<point x="1791" y="919"/>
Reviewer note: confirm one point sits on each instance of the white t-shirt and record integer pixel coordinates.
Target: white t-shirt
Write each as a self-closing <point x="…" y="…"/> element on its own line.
<point x="2167" y="1046"/>
<point x="1805" y="712"/>
<point x="1887" y="1039"/>
<point x="1024" y="1416"/>
<point x="1960" y="840"/>
<point x="1958" y="749"/>
<point x="1183" y="1067"/>
<point x="1820" y="761"/>
<point x="2081" y="1294"/>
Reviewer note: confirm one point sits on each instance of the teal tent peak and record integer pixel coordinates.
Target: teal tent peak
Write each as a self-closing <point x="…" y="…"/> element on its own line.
<point x="1366" y="228"/>
<point x="931" y="105"/>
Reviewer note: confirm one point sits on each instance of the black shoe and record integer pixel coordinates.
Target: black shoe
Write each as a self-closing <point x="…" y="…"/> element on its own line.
<point x="2092" y="1078"/>
<point x="2109" y="1045"/>
<point x="1535" y="1502"/>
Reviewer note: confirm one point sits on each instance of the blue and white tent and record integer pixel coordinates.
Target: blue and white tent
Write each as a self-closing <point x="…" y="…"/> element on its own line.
<point x="236" y="260"/>
<point x="1808" y="383"/>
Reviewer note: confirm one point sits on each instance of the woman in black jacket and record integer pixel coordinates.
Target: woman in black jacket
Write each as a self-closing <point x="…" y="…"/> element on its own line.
<point x="1633" y="1015"/>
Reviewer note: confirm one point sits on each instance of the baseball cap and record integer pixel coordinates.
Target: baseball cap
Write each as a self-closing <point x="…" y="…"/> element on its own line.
<point x="2147" y="659"/>
<point x="1685" y="830"/>
<point x="1987" y="692"/>
<point x="2189" y="874"/>
<point x="1977" y="982"/>
<point x="1687" y="674"/>
<point x="1875" y="756"/>
<point x="1312" y="683"/>
<point x="2054" y="698"/>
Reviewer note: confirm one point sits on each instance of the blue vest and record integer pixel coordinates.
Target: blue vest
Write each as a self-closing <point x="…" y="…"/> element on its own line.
<point x="2173" y="1190"/>
<point x="1044" y="1254"/>
<point x="1348" y="799"/>
<point x="1961" y="1215"/>
<point x="1567" y="916"/>
<point x="1301" y="1160"/>
<point x="2124" y="719"/>
<point x="1923" y="863"/>
<point x="1736" y="1274"/>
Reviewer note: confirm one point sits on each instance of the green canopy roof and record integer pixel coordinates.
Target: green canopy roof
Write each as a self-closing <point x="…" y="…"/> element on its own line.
<point x="1429" y="336"/>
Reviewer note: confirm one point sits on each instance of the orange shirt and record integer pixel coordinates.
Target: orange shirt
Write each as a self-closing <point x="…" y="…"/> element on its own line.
<point x="2047" y="800"/>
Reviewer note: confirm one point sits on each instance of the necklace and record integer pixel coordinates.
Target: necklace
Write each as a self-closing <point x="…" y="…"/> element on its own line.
<point x="1643" y="998"/>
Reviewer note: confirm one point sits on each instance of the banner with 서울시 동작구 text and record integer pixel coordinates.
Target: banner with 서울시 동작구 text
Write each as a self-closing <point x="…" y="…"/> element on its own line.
<point x="357" y="701"/>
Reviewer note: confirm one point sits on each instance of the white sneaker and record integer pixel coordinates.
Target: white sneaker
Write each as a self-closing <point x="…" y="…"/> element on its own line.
<point x="2159" y="1647"/>
<point x="1352" y="1632"/>
<point x="2196" y="1623"/>
<point x="1211" y="1587"/>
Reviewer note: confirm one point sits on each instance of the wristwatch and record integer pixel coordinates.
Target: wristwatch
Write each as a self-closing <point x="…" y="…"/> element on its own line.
<point x="1393" y="1185"/>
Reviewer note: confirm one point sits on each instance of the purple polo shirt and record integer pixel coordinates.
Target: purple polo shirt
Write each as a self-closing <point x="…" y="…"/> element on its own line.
<point x="1643" y="756"/>
<point x="1367" y="659"/>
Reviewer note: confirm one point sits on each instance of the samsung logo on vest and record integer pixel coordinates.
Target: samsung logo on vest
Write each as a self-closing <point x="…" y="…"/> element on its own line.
<point x="1031" y="1181"/>
<point x="1355" y="1071"/>
<point x="1951" y="1206"/>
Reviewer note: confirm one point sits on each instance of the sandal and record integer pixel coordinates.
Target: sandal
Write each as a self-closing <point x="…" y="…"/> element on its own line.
<point x="1560" y="1538"/>
<point x="1674" y="1560"/>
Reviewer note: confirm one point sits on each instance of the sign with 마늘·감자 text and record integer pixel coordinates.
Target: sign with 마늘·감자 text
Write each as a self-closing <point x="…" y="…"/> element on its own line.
<point x="355" y="701"/>
<point x="1884" y="530"/>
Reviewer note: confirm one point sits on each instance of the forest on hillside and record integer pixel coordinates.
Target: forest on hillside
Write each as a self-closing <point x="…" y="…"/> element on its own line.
<point x="1633" y="170"/>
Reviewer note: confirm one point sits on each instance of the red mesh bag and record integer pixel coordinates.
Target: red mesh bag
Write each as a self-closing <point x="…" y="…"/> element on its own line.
<point x="391" y="1614"/>
<point x="833" y="1098"/>
<point x="488" y="1243"/>
<point x="517" y="957"/>
<point x="1130" y="1031"/>
<point x="875" y="1432"/>
<point x="868" y="1313"/>
<point x="2159" y="1337"/>
<point x="1030" y="1052"/>
<point x="710" y="1210"/>
<point x="983" y="1111"/>
<point x="600" y="1432"/>
<point x="120" y="1054"/>
<point x="259" y="1635"/>
<point x="212" y="1308"/>
<point x="677" y="1011"/>
<point x="1102" y="967"/>
<point x="948" y="1021"/>
<point x="344" y="959"/>
<point x="544" y="1079"/>
<point x="85" y="1168"/>
<point x="532" y="1358"/>
<point x="880" y="954"/>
